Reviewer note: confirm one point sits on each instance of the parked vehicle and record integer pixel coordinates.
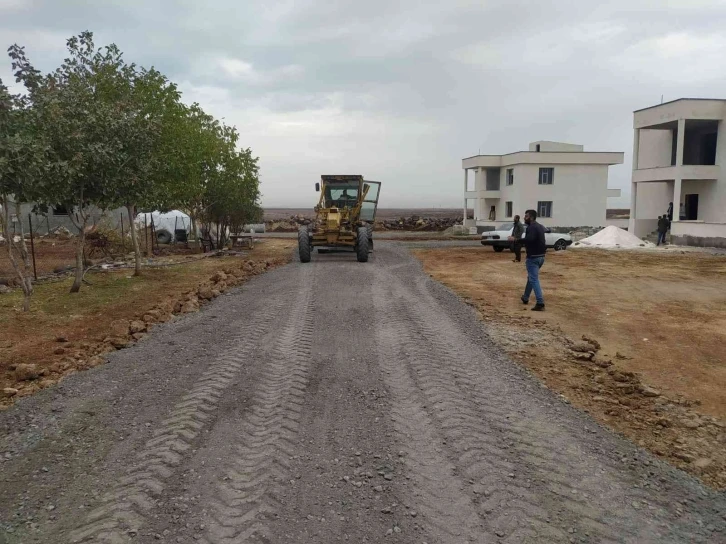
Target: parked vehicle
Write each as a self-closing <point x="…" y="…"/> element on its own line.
<point x="498" y="239"/>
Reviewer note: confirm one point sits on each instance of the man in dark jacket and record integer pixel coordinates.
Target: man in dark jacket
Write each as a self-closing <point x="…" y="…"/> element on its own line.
<point x="663" y="226"/>
<point x="536" y="247"/>
<point x="516" y="239"/>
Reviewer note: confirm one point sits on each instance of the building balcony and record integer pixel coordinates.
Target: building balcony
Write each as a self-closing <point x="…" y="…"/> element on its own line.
<point x="670" y="173"/>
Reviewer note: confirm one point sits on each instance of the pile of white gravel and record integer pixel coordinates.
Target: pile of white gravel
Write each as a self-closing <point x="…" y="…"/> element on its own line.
<point x="613" y="237"/>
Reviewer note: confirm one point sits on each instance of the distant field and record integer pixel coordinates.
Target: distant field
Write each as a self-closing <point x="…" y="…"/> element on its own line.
<point x="278" y="214"/>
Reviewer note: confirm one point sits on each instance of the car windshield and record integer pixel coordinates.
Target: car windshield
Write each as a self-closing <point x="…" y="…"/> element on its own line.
<point x="506" y="226"/>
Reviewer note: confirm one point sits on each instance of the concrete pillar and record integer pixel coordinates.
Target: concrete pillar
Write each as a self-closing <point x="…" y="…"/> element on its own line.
<point x="679" y="142"/>
<point x="677" y="200"/>
<point x="633" y="203"/>
<point x="633" y="185"/>
<point x="466" y="186"/>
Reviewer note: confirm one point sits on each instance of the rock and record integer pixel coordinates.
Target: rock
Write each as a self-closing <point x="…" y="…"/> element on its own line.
<point x="216" y="293"/>
<point x="219" y="276"/>
<point x="386" y="510"/>
<point x="4" y="290"/>
<point x="119" y="327"/>
<point x="584" y="356"/>
<point x="61" y="339"/>
<point x="594" y="343"/>
<point x="688" y="458"/>
<point x="692" y="424"/>
<point x="649" y="391"/>
<point x="388" y="476"/>
<point x="95" y="361"/>
<point x="137" y="326"/>
<point x="625" y="388"/>
<point x="26" y="371"/>
<point x="138" y="336"/>
<point x="59" y="351"/>
<point x="189" y="306"/>
<point x="152" y="316"/>
<point x="205" y="292"/>
<point x="582" y="347"/>
<point x="9" y="392"/>
<point x="620" y="377"/>
<point x="703" y="462"/>
<point x="119" y="343"/>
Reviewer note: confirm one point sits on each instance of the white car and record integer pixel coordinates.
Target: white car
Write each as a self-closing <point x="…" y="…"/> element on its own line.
<point x="498" y="239"/>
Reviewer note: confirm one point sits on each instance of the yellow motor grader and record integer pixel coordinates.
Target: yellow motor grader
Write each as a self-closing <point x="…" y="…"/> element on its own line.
<point x="343" y="217"/>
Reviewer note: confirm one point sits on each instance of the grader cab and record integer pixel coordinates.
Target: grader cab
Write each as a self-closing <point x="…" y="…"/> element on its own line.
<point x="343" y="217"/>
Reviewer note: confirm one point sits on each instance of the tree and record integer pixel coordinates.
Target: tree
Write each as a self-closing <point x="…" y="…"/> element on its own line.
<point x="83" y="123"/>
<point x="231" y="187"/>
<point x="23" y="164"/>
<point x="151" y="110"/>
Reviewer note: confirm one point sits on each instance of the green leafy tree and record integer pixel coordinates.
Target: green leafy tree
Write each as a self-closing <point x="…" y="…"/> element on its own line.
<point x="80" y="114"/>
<point x="23" y="168"/>
<point x="151" y="112"/>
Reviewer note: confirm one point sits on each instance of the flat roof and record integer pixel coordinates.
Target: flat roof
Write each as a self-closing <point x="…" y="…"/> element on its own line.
<point x="541" y="153"/>
<point x="680" y="100"/>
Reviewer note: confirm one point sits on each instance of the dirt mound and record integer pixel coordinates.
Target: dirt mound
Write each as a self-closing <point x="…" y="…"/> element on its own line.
<point x="613" y="237"/>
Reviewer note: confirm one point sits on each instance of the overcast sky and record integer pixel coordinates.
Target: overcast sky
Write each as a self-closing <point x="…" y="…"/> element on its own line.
<point x="402" y="91"/>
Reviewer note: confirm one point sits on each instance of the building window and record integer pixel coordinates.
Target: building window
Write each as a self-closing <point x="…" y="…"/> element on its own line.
<point x="544" y="208"/>
<point x="510" y="176"/>
<point x="546" y="176"/>
<point x="60" y="210"/>
<point x="508" y="209"/>
<point x="537" y="148"/>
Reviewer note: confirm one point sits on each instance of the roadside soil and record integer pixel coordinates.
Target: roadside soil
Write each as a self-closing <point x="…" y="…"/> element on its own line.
<point x="634" y="338"/>
<point x="65" y="333"/>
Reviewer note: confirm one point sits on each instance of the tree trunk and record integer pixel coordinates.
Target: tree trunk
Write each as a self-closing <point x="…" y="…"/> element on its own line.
<point x="80" y="243"/>
<point x="26" y="278"/>
<point x="134" y="239"/>
<point x="26" y="282"/>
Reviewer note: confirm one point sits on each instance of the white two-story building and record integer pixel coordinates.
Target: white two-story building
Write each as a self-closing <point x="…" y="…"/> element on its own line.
<point x="679" y="151"/>
<point x="566" y="185"/>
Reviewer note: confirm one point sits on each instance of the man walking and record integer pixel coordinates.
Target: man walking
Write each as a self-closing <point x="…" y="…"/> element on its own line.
<point x="663" y="224"/>
<point x="516" y="239"/>
<point x="536" y="247"/>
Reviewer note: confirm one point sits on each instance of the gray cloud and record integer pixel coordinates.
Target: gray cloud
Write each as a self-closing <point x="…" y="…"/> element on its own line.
<point x="400" y="92"/>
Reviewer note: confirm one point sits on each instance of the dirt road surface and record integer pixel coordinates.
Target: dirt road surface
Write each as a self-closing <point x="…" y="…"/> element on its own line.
<point x="330" y="402"/>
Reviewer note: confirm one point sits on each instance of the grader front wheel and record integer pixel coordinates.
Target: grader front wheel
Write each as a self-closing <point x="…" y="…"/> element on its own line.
<point x="361" y="247"/>
<point x="303" y="245"/>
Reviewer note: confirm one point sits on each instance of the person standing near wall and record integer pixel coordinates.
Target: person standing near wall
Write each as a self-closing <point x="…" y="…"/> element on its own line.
<point x="662" y="229"/>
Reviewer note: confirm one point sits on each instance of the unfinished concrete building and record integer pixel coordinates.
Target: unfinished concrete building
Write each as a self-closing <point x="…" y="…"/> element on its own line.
<point x="679" y="149"/>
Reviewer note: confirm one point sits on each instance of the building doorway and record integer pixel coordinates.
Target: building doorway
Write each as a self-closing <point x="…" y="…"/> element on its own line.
<point x="691" y="207"/>
<point x="493" y="213"/>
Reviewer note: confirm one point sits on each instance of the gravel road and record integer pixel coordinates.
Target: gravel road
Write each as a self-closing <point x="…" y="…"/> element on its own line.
<point x="330" y="402"/>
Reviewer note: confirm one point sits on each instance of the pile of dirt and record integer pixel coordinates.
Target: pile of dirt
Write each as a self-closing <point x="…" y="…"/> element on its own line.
<point x="407" y="223"/>
<point x="418" y="223"/>
<point x="613" y="237"/>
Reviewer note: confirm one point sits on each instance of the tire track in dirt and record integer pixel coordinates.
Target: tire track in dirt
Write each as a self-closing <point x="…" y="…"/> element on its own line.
<point x="246" y="495"/>
<point x="125" y="507"/>
<point x="448" y="514"/>
<point x="499" y="440"/>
